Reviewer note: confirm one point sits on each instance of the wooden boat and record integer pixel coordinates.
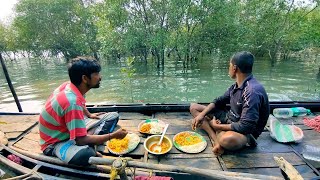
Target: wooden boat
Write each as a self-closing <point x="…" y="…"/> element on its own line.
<point x="249" y="163"/>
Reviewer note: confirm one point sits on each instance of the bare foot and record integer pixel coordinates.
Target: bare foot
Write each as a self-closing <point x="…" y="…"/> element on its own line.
<point x="218" y="150"/>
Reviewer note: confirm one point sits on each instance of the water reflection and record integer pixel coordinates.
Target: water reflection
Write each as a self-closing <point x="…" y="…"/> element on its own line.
<point x="35" y="79"/>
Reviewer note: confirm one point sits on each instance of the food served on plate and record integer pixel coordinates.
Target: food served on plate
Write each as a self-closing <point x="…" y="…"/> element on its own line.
<point x="151" y="126"/>
<point x="125" y="145"/>
<point x="190" y="142"/>
<point x="145" y="128"/>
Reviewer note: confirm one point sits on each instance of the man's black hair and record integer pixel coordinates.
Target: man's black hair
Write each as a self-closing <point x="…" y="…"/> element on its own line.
<point x="80" y="66"/>
<point x="244" y="61"/>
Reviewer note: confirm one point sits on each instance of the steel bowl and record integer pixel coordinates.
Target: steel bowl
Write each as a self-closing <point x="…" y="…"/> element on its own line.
<point x="151" y="140"/>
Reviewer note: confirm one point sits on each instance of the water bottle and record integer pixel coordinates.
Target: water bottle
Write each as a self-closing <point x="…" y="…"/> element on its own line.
<point x="311" y="153"/>
<point x="289" y="112"/>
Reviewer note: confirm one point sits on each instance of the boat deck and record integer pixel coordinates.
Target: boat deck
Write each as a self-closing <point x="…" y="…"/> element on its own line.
<point x="22" y="131"/>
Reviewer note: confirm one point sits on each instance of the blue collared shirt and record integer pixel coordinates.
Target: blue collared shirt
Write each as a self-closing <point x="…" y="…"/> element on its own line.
<point x="249" y="107"/>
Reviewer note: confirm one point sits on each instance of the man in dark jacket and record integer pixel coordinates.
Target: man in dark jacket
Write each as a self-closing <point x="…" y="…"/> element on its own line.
<point x="248" y="114"/>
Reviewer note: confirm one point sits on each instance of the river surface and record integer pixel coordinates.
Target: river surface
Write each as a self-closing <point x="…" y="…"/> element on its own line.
<point x="295" y="79"/>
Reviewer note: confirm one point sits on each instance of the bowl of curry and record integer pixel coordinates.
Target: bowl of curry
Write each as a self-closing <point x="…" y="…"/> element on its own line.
<point x="151" y="142"/>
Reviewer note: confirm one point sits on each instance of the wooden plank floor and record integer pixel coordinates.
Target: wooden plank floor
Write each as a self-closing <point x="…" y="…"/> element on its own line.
<point x="260" y="159"/>
<point x="13" y="126"/>
<point x="257" y="160"/>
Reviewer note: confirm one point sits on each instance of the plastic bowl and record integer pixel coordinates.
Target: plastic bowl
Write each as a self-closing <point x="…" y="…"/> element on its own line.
<point x="151" y="140"/>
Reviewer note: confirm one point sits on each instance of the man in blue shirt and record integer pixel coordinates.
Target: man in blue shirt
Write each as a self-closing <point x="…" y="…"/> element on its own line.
<point x="249" y="109"/>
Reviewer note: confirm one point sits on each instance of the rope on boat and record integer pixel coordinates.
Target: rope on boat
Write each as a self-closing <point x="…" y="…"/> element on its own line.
<point x="314" y="123"/>
<point x="118" y="167"/>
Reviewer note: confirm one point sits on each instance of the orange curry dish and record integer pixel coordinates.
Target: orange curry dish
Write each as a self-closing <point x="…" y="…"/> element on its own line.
<point x="164" y="147"/>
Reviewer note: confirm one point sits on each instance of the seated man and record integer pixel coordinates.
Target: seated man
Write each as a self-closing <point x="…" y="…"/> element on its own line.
<point x="248" y="114"/>
<point x="62" y="122"/>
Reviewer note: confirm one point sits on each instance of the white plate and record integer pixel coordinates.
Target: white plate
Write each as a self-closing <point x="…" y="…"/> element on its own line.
<point x="195" y="148"/>
<point x="134" y="141"/>
<point x="155" y="122"/>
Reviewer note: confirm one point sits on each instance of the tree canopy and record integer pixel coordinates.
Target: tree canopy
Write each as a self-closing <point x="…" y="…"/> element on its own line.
<point x="160" y="29"/>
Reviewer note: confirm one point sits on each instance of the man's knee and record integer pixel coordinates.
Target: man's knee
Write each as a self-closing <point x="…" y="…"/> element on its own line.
<point x="195" y="108"/>
<point x="230" y="141"/>
<point x="192" y="107"/>
<point x="109" y="122"/>
<point x="81" y="158"/>
<point x="71" y="153"/>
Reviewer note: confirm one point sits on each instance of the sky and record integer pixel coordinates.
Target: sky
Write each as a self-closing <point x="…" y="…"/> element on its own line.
<point x="6" y="10"/>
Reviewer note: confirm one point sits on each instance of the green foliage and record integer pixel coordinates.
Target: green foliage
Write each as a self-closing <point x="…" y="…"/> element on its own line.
<point x="310" y="30"/>
<point x="190" y="28"/>
<point x="111" y="19"/>
<point x="8" y="39"/>
<point x="2" y="38"/>
<point x="128" y="73"/>
<point x="58" y="26"/>
<point x="184" y="29"/>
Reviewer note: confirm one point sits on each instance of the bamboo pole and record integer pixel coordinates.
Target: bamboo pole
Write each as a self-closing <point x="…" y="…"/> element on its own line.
<point x="41" y="159"/>
<point x="287" y="168"/>
<point x="213" y="174"/>
<point x="5" y="71"/>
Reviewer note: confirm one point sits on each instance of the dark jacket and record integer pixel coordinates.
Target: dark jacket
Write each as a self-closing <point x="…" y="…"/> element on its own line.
<point x="249" y="104"/>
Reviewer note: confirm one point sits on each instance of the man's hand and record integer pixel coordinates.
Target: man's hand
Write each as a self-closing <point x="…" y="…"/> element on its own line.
<point x="99" y="139"/>
<point x="95" y="115"/>
<point x="119" y="134"/>
<point x="197" y="122"/>
<point x="218" y="126"/>
<point x="214" y="122"/>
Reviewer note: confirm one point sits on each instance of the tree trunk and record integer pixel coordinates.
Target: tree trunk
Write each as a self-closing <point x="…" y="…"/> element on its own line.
<point x="162" y="56"/>
<point x="95" y="55"/>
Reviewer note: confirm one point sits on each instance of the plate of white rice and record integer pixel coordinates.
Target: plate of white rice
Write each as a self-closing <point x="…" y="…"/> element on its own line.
<point x="189" y="142"/>
<point x="151" y="126"/>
